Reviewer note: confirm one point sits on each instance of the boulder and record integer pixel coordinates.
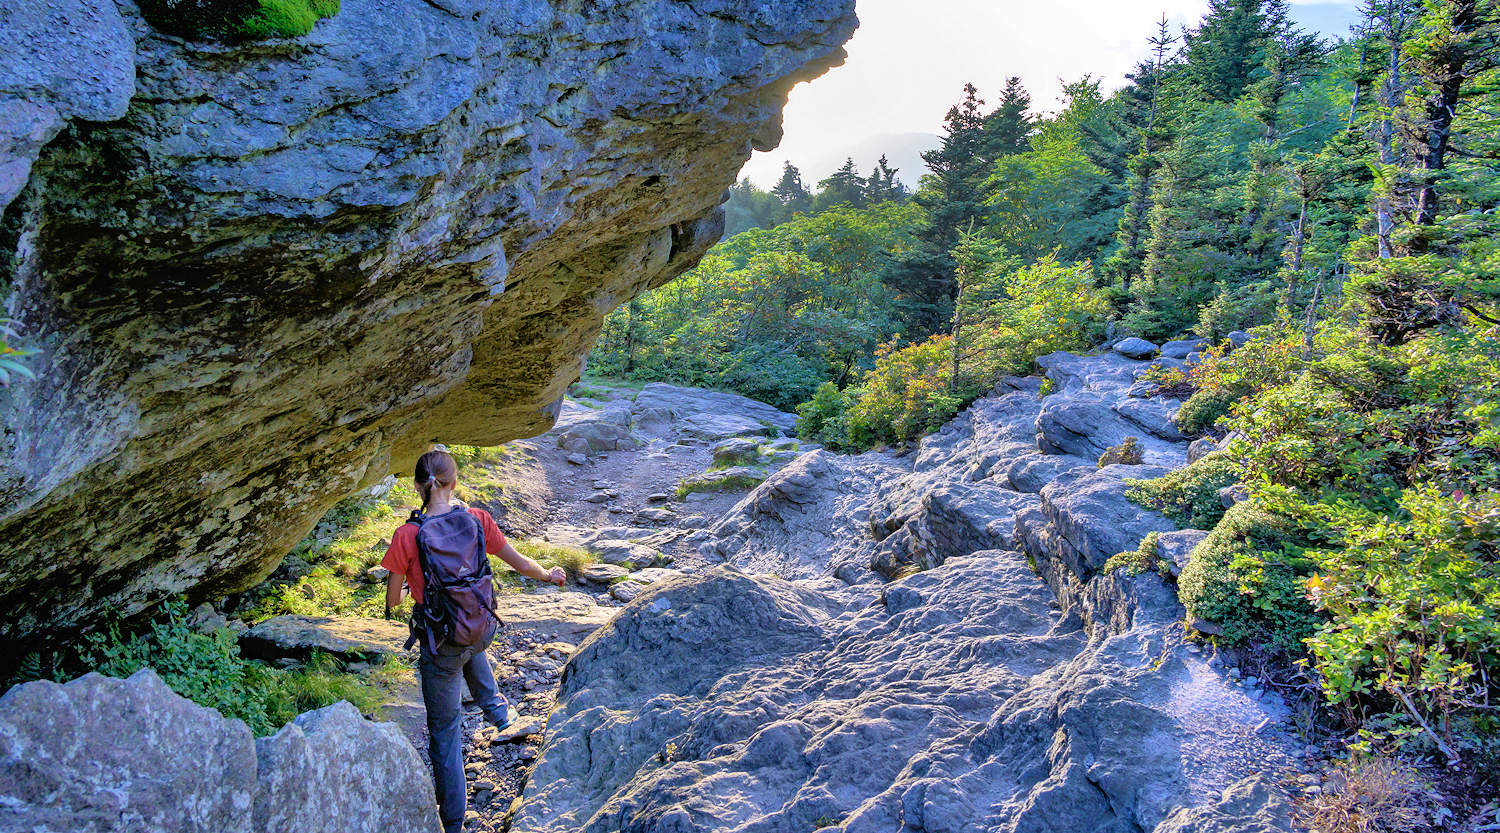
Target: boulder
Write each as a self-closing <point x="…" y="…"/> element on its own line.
<point x="332" y="771"/>
<point x="349" y="638"/>
<point x="659" y="405"/>
<point x="1200" y="448"/>
<point x="735" y="451"/>
<point x="733" y="479"/>
<point x="595" y="436"/>
<point x="324" y="267"/>
<point x="1175" y="548"/>
<point x="103" y="754"/>
<point x="570" y="616"/>
<point x="1180" y="348"/>
<point x="714" y="427"/>
<point x="1239" y="338"/>
<point x="624" y="553"/>
<point x="1135" y="348"/>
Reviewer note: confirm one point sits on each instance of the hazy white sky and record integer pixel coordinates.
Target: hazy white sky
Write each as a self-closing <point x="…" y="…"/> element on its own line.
<point x="910" y="59"/>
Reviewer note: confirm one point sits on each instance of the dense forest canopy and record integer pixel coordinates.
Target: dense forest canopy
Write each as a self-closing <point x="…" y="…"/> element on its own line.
<point x="1339" y="200"/>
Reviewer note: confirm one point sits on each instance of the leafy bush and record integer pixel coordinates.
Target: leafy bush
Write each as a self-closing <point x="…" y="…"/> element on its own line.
<point x="207" y="668"/>
<point x="821" y="418"/>
<point x="1248" y="578"/>
<point x="1189" y="495"/>
<point x="908" y="393"/>
<point x="1430" y="631"/>
<point x="1223" y="377"/>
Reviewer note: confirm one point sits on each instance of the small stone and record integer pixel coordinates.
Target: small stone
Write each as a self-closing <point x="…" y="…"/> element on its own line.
<point x="604" y="573"/>
<point x="656" y="515"/>
<point x="520" y="730"/>
<point x="578" y="459"/>
<point x="658" y="497"/>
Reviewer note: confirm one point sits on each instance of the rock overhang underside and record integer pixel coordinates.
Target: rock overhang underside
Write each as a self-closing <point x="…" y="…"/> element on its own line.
<point x="259" y="277"/>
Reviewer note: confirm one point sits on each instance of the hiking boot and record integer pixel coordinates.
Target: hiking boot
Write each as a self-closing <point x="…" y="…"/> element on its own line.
<point x="505" y="720"/>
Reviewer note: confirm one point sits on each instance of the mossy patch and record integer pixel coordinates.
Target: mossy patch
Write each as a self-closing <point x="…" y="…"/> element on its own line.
<point x="727" y="483"/>
<point x="237" y="20"/>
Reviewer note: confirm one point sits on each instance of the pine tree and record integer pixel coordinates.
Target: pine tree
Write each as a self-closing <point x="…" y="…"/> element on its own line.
<point x="882" y="186"/>
<point x="1225" y="51"/>
<point x="953" y="197"/>
<point x="1130" y="256"/>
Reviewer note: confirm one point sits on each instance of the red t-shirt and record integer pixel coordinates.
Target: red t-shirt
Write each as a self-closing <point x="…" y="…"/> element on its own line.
<point x="401" y="556"/>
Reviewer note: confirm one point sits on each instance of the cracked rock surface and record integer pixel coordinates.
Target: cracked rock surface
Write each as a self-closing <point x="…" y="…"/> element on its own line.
<point x="1001" y="683"/>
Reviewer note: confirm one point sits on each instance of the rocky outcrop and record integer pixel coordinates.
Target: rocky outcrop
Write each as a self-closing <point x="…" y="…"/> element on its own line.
<point x="102" y="754"/>
<point x="1003" y="682"/>
<point x="291" y="265"/>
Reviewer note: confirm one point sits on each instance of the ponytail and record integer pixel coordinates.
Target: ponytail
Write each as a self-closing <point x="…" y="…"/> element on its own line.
<point x="435" y="468"/>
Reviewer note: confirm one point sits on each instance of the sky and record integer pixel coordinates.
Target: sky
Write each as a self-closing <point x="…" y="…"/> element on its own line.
<point x="909" y="60"/>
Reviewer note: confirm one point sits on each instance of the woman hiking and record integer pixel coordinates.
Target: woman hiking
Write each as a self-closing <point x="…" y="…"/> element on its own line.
<point x="447" y="542"/>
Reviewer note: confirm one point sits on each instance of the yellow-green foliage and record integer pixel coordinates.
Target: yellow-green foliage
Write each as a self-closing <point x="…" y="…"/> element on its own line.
<point x="1189" y="495"/>
<point x="336" y="555"/>
<point x="732" y="483"/>
<point x="1126" y="453"/>
<point x="573" y="560"/>
<point x="236" y="20"/>
<point x="1139" y="560"/>
<point x="1248" y="577"/>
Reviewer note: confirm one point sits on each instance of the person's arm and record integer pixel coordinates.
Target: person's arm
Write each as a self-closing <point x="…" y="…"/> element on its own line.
<point x="529" y="568"/>
<point x="395" y="592"/>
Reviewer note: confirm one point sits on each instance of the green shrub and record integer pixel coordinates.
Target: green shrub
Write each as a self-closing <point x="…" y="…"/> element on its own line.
<point x="1202" y="410"/>
<point x="1429" y="631"/>
<point x="1189" y="496"/>
<point x="1248" y="577"/>
<point x="906" y="394"/>
<point x="207" y="668"/>
<point x="822" y="418"/>
<point x="1134" y="562"/>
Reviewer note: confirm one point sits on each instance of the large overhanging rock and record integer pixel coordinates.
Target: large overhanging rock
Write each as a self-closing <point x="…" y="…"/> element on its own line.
<point x="292" y="265"/>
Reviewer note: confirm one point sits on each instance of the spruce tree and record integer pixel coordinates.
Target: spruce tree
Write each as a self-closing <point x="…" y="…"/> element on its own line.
<point x="791" y="194"/>
<point x="842" y="187"/>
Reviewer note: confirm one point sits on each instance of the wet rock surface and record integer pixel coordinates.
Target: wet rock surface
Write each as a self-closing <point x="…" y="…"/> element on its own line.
<point x="283" y="269"/>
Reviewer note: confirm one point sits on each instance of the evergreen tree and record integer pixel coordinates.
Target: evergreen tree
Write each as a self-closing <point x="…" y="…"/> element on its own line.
<point x="791" y="194"/>
<point x="842" y="187"/>
<point x="1007" y="129"/>
<point x="1130" y="255"/>
<point x="1225" y="51"/>
<point x="882" y="185"/>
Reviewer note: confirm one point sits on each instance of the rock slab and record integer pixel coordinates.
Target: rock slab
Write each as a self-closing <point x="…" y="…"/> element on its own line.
<point x="105" y="755"/>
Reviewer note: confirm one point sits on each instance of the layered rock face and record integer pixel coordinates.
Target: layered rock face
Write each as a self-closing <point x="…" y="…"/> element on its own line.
<point x="1007" y="685"/>
<point x="102" y="754"/>
<point x="290" y="266"/>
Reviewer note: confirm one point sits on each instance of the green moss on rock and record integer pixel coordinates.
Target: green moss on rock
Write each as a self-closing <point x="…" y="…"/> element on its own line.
<point x="235" y="20"/>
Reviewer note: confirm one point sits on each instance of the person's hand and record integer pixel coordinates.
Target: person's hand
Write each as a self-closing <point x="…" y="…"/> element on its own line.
<point x="558" y="576"/>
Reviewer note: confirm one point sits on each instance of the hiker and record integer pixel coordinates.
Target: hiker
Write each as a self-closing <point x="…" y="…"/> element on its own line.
<point x="445" y="542"/>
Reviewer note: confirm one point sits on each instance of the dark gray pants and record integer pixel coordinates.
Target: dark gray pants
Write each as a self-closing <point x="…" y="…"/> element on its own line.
<point x="442" y="675"/>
